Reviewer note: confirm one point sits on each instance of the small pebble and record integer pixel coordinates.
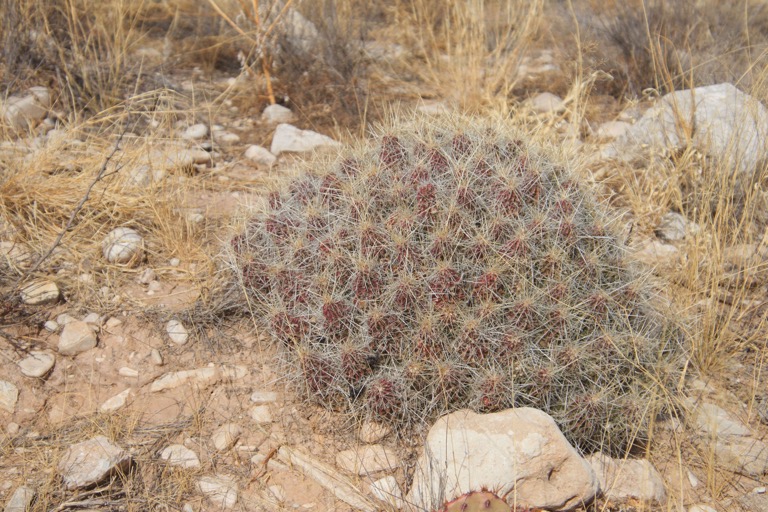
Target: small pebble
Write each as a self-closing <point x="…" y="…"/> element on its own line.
<point x="156" y="357"/>
<point x="51" y="326"/>
<point x="174" y="262"/>
<point x="12" y="428"/>
<point x="128" y="372"/>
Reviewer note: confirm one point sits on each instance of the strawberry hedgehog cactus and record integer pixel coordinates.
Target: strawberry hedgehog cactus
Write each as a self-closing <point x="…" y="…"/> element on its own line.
<point x="455" y="263"/>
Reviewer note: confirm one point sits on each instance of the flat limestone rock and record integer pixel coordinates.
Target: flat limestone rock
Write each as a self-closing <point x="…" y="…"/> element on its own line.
<point x="90" y="462"/>
<point x="368" y="460"/>
<point x="40" y="292"/>
<point x="76" y="337"/>
<point x="288" y="138"/>
<point x="200" y="377"/>
<point x="221" y="491"/>
<point x="37" y="364"/>
<point x="9" y="395"/>
<point x="519" y="453"/>
<point x="181" y="456"/>
<point x="631" y="478"/>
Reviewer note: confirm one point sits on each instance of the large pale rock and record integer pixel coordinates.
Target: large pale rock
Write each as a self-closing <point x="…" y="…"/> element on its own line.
<point x="9" y="395"/>
<point x="40" y="292"/>
<point x="90" y="462"/>
<point x="733" y="444"/>
<point x="76" y="337"/>
<point x="122" y="245"/>
<point x="718" y="120"/>
<point x="37" y="364"/>
<point x="21" y="500"/>
<point x="517" y="452"/>
<point x="289" y="138"/>
<point x="181" y="456"/>
<point x="621" y="480"/>
<point x="220" y="490"/>
<point x="367" y="460"/>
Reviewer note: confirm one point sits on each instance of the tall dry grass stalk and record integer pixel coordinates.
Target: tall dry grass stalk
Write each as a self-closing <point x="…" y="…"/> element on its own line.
<point x="469" y="51"/>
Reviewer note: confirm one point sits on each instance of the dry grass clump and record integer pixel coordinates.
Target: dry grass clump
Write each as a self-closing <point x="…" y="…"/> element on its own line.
<point x="669" y="45"/>
<point x="60" y="202"/>
<point x="454" y="263"/>
<point x="465" y="52"/>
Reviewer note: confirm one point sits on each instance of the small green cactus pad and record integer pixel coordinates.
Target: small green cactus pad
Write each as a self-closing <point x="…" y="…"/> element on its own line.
<point x="478" y="501"/>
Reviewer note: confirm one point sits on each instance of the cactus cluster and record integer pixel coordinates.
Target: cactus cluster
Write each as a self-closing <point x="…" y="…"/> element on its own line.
<point x="453" y="263"/>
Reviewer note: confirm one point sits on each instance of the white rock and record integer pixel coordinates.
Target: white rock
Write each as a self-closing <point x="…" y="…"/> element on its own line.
<point x="64" y="318"/>
<point x="658" y="254"/>
<point x="21" y="500"/>
<point x="177" y="332"/>
<point x="16" y="254"/>
<point x="9" y="395"/>
<point x="673" y="227"/>
<point x="261" y="414"/>
<point x="40" y="292"/>
<point x="144" y="175"/>
<point x="546" y="103"/>
<point x="180" y="455"/>
<point x="220" y="490"/>
<point x="372" y="432"/>
<point x="24" y="113"/>
<point x="113" y="323"/>
<point x="518" y="450"/>
<point x="225" y="137"/>
<point x="12" y="428"/>
<point x="131" y="373"/>
<point x="277" y="114"/>
<point x="260" y="155"/>
<point x="367" y="460"/>
<point x="51" y="326"/>
<point x="724" y="123"/>
<point x="195" y="132"/>
<point x="174" y="262"/>
<point x="156" y="357"/>
<point x="154" y="286"/>
<point x="291" y="139"/>
<point x="613" y="129"/>
<point x="264" y="397"/>
<point x="37" y="364"/>
<point x="93" y="319"/>
<point x="90" y="462"/>
<point x="116" y="402"/>
<point x="692" y="479"/>
<point x="201" y="377"/>
<point x="732" y="443"/>
<point x="122" y="245"/>
<point x="76" y="337"/>
<point x="226" y="436"/>
<point x="147" y="276"/>
<point x="621" y="480"/>
<point x="388" y="491"/>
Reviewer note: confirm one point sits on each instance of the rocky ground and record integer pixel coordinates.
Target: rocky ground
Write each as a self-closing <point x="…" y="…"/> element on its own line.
<point x="127" y="384"/>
